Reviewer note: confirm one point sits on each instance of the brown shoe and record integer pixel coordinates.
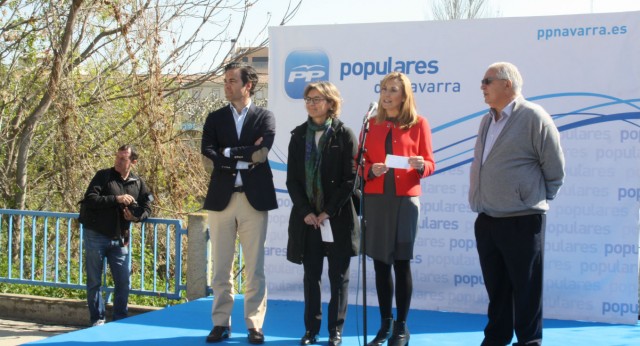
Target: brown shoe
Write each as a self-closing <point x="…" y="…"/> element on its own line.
<point x="219" y="333"/>
<point x="255" y="335"/>
<point x="260" y="155"/>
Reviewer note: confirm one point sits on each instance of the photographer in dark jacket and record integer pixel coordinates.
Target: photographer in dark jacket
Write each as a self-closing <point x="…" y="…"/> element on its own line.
<point x="320" y="177"/>
<point x="115" y="198"/>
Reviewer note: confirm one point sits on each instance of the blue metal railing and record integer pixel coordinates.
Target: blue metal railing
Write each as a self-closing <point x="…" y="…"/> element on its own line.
<point x="46" y="248"/>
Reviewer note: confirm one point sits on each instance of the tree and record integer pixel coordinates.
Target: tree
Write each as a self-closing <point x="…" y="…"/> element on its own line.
<point x="78" y="78"/>
<point x="457" y="9"/>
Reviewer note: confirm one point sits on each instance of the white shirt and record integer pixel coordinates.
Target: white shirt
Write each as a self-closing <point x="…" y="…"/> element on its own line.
<point x="495" y="127"/>
<point x="239" y="120"/>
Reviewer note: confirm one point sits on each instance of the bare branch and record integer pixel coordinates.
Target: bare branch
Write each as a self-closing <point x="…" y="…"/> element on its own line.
<point x="106" y="72"/>
<point x="457" y="9"/>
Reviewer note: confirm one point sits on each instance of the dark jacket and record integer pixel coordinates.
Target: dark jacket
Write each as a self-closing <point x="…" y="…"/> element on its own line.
<point x="100" y="211"/>
<point x="219" y="132"/>
<point x="338" y="177"/>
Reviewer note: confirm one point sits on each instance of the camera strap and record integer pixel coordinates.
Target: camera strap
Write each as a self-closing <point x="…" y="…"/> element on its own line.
<point x="124" y="233"/>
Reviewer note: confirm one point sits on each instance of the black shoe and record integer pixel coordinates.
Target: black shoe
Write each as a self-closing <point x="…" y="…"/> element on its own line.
<point x="309" y="338"/>
<point x="255" y="335"/>
<point x="400" y="336"/>
<point x="218" y="333"/>
<point x="335" y="339"/>
<point x="383" y="334"/>
<point x="532" y="343"/>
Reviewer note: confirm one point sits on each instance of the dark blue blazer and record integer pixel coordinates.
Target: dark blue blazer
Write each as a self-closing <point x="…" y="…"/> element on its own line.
<point x="219" y="132"/>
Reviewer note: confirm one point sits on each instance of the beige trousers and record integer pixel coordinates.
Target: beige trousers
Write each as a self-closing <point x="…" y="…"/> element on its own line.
<point x="240" y="220"/>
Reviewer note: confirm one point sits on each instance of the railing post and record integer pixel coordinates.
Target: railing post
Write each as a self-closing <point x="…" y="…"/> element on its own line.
<point x="197" y="264"/>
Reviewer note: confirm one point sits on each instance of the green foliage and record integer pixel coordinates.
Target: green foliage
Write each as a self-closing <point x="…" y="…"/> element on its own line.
<point x="44" y="291"/>
<point x="68" y="293"/>
<point x="78" y="82"/>
<point x="47" y="250"/>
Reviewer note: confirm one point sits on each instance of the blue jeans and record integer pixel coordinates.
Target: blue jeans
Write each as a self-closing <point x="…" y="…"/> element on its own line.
<point x="97" y="247"/>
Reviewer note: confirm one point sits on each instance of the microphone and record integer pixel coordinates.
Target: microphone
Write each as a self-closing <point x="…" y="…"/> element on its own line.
<point x="371" y="112"/>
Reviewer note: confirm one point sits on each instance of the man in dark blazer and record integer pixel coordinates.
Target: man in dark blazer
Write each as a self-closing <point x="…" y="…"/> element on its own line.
<point x="237" y="138"/>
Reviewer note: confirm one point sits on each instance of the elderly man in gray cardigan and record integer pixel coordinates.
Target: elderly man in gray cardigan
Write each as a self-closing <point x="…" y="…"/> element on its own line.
<point x="518" y="166"/>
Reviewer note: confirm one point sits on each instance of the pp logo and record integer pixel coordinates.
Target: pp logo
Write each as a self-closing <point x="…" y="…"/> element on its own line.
<point x="303" y="67"/>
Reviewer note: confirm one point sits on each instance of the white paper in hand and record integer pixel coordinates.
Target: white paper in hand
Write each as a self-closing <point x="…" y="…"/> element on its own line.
<point x="396" y="161"/>
<point x="325" y="232"/>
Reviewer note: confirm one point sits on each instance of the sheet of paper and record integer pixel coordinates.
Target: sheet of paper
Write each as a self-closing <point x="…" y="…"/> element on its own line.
<point x="325" y="231"/>
<point x="396" y="161"/>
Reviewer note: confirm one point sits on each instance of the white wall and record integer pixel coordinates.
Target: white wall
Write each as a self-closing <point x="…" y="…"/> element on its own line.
<point x="587" y="77"/>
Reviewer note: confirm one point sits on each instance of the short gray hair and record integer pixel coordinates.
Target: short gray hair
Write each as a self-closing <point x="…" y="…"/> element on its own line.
<point x="508" y="71"/>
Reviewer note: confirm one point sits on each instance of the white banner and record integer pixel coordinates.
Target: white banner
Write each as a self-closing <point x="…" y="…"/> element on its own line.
<point x="582" y="69"/>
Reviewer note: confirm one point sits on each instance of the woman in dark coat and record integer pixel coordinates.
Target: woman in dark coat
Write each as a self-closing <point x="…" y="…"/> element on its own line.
<point x="320" y="178"/>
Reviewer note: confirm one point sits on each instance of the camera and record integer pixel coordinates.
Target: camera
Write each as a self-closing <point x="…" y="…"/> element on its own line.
<point x="135" y="209"/>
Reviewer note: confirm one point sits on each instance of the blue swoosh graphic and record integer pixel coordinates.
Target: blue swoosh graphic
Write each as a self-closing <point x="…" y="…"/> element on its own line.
<point x="595" y="118"/>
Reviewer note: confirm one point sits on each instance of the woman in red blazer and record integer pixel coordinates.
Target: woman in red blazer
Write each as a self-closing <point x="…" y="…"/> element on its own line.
<point x="392" y="201"/>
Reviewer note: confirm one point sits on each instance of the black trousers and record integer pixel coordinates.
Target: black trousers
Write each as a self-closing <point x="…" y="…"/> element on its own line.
<point x="511" y="258"/>
<point x="385" y="288"/>
<point x="315" y="251"/>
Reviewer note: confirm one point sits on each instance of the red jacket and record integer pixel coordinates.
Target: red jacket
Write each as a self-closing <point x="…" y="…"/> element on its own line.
<point x="415" y="141"/>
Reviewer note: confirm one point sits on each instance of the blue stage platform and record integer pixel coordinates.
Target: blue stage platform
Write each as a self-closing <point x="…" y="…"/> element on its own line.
<point x="189" y="324"/>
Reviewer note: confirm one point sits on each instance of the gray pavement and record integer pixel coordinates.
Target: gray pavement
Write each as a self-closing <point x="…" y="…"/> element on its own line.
<point x="19" y="332"/>
<point x="47" y="317"/>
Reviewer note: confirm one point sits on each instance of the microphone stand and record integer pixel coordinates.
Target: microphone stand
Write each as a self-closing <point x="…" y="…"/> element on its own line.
<point x="360" y="183"/>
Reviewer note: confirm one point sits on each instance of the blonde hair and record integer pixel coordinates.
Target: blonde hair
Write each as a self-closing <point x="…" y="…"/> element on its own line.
<point x="408" y="114"/>
<point x="329" y="92"/>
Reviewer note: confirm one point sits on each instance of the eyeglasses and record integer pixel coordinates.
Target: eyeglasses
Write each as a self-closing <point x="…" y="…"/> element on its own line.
<point x="313" y="101"/>
<point x="488" y="81"/>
